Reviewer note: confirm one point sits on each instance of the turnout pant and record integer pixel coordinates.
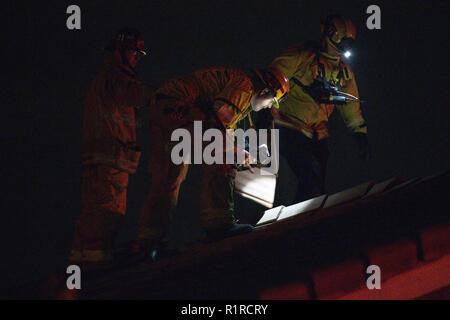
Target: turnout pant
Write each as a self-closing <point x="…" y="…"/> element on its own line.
<point x="308" y="160"/>
<point x="103" y="195"/>
<point x="217" y="187"/>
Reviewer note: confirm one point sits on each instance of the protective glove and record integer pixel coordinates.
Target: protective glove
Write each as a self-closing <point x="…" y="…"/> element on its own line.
<point x="363" y="145"/>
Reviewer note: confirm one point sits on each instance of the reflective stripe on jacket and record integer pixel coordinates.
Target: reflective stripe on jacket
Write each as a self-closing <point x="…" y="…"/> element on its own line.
<point x="229" y="86"/>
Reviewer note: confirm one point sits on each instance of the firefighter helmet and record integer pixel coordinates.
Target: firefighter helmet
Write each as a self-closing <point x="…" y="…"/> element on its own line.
<point x="128" y="39"/>
<point x="338" y="31"/>
<point x="276" y="81"/>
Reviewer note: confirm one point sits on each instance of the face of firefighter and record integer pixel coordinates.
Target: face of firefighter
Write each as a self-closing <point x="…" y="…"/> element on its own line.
<point x="344" y="47"/>
<point x="262" y="100"/>
<point x="133" y="57"/>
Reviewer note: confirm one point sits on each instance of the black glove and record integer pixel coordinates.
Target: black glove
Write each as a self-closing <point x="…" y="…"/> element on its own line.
<point x="363" y="145"/>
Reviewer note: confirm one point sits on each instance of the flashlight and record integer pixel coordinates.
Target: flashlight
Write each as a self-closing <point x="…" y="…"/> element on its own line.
<point x="347" y="53"/>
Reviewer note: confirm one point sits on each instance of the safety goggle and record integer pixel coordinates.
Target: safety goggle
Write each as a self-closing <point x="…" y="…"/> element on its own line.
<point x="276" y="98"/>
<point x="276" y="101"/>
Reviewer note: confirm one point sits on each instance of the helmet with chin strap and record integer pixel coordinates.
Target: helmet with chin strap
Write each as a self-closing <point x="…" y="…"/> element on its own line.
<point x="276" y="82"/>
<point x="338" y="31"/>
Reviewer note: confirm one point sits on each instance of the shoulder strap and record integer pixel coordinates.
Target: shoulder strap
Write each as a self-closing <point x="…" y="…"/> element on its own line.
<point x="345" y="71"/>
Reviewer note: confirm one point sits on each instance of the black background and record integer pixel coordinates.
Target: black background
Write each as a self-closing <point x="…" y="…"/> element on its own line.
<point x="400" y="70"/>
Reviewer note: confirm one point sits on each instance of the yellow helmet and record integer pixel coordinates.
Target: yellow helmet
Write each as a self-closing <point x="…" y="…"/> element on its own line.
<point x="338" y="31"/>
<point x="276" y="81"/>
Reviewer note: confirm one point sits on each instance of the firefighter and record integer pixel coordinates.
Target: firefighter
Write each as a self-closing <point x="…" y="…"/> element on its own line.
<point x="109" y="152"/>
<point x="219" y="97"/>
<point x="320" y="79"/>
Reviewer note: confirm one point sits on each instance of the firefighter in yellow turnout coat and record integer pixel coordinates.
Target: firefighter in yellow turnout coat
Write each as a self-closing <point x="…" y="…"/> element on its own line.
<point x="219" y="97"/>
<point x="320" y="79"/>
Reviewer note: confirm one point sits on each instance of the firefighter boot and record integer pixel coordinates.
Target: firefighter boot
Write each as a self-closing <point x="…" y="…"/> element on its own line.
<point x="235" y="230"/>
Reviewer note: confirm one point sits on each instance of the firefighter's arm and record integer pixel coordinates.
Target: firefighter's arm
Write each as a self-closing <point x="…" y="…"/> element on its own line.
<point x="351" y="112"/>
<point x="226" y="114"/>
<point x="131" y="92"/>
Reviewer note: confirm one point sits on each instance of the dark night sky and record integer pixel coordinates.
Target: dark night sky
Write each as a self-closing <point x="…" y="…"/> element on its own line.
<point x="400" y="71"/>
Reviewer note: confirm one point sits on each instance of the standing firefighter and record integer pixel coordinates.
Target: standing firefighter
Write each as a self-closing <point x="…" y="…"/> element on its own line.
<point x="320" y="79"/>
<point x="219" y="97"/>
<point x="110" y="152"/>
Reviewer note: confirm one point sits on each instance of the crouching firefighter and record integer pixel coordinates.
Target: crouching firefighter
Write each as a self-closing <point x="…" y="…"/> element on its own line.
<point x="320" y="79"/>
<point x="110" y="152"/>
<point x="220" y="97"/>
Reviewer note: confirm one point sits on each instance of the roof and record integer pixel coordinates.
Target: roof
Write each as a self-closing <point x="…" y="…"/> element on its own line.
<point x="317" y="249"/>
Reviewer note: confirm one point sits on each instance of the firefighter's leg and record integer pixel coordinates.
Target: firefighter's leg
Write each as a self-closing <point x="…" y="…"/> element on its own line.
<point x="167" y="177"/>
<point x="216" y="196"/>
<point x="321" y="153"/>
<point x="103" y="207"/>
<point x="162" y="197"/>
<point x="299" y="152"/>
<point x="217" y="203"/>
